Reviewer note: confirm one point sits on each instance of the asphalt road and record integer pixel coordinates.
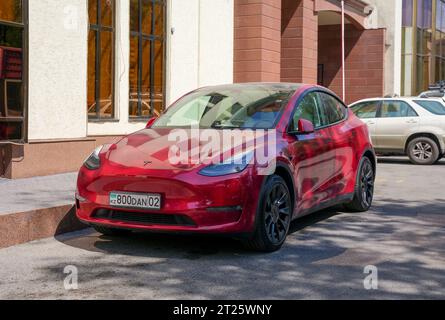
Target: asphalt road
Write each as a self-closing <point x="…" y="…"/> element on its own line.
<point x="324" y="257"/>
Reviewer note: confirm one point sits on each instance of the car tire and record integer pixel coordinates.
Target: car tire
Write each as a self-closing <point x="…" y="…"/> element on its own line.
<point x="111" y="231"/>
<point x="273" y="218"/>
<point x="423" y="151"/>
<point x="364" y="187"/>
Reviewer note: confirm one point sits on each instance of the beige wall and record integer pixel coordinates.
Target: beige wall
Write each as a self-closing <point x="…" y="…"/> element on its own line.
<point x="200" y="45"/>
<point x="57" y="69"/>
<point x="200" y="53"/>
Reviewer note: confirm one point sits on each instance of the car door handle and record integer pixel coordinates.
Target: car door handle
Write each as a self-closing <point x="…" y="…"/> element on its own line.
<point x="370" y="122"/>
<point x="411" y="121"/>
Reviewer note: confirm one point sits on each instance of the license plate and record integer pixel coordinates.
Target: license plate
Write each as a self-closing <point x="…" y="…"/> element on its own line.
<point x="135" y="200"/>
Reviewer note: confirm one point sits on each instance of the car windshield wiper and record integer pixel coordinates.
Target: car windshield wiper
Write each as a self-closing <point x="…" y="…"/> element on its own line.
<point x="223" y="126"/>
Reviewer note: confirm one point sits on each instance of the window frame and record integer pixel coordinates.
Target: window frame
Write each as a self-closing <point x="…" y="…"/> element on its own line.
<point x="141" y="36"/>
<point x="292" y="123"/>
<point x="379" y="115"/>
<point x="317" y="91"/>
<point x="24" y="24"/>
<point x="99" y="28"/>
<point x="418" y="102"/>
<point x="379" y="105"/>
<point x="346" y="113"/>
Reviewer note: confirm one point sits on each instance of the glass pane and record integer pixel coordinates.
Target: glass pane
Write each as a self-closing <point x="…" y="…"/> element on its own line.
<point x="442" y="69"/>
<point x="366" y="110"/>
<point x="92" y="11"/>
<point x="158" y="94"/>
<point x="11" y="36"/>
<point x="438" y="43"/>
<point x="13" y="98"/>
<point x="424" y="14"/>
<point x="228" y="107"/>
<point x="423" y="67"/>
<point x="396" y="109"/>
<point x="134" y="15"/>
<point x="438" y="71"/>
<point x="11" y="10"/>
<point x="147" y="15"/>
<point x="11" y="130"/>
<point x="146" y="79"/>
<point x="106" y="75"/>
<point x="308" y="110"/>
<point x="150" y="63"/>
<point x="442" y="16"/>
<point x="407" y="13"/>
<point x="159" y="19"/>
<point x="434" y="107"/>
<point x="107" y="7"/>
<point x="91" y="100"/>
<point x="424" y="41"/>
<point x="134" y="76"/>
<point x="333" y="110"/>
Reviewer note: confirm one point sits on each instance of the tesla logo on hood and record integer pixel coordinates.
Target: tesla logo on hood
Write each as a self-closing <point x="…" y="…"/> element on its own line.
<point x="146" y="163"/>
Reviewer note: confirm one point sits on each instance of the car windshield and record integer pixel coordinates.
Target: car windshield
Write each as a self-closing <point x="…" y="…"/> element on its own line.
<point x="435" y="107"/>
<point x="229" y="107"/>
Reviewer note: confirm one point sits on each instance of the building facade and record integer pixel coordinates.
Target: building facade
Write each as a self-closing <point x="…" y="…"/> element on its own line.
<point x="75" y="74"/>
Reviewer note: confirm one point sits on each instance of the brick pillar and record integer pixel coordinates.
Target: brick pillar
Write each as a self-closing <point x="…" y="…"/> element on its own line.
<point x="257" y="41"/>
<point x="299" y="42"/>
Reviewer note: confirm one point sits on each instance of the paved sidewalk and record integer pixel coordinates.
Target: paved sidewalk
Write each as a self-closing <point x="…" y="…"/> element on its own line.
<point x="37" y="193"/>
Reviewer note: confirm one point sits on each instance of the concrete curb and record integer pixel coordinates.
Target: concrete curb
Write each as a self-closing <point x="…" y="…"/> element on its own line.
<point x="18" y="228"/>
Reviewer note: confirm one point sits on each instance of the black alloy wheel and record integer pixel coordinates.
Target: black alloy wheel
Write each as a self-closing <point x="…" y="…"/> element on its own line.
<point x="364" y="188"/>
<point x="274" y="216"/>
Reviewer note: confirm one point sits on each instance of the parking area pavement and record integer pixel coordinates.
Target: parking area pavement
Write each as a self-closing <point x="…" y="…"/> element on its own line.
<point x="324" y="257"/>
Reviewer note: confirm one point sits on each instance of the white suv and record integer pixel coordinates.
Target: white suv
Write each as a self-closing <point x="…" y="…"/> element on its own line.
<point x="411" y="126"/>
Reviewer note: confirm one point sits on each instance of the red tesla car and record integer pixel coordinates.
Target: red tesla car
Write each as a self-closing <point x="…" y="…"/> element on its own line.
<point x="197" y="167"/>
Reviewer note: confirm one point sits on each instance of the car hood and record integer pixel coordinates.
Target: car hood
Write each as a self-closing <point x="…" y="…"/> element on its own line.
<point x="153" y="149"/>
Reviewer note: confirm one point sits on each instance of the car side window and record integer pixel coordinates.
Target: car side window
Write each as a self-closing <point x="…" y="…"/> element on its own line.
<point x="396" y="109"/>
<point x="308" y="109"/>
<point x="333" y="109"/>
<point x="366" y="110"/>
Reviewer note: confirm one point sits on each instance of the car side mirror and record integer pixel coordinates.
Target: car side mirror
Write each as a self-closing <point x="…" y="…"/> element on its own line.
<point x="150" y="122"/>
<point x="305" y="127"/>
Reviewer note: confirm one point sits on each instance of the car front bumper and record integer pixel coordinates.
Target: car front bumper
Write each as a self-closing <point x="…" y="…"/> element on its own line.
<point x="224" y="205"/>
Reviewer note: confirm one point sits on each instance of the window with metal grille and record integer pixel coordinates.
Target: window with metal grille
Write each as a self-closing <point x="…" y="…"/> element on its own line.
<point x="101" y="35"/>
<point x="147" y="56"/>
<point x="12" y="101"/>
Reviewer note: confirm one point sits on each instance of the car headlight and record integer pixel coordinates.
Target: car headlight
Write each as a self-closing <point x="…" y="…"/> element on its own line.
<point x="93" y="161"/>
<point x="236" y="164"/>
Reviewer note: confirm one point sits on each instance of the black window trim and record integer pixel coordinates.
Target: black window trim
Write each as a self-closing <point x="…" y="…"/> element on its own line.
<point x="317" y="90"/>
<point x="99" y="28"/>
<point x="141" y="36"/>
<point x="25" y="75"/>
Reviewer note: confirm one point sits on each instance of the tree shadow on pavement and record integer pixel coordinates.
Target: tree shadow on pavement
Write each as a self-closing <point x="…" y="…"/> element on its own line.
<point x="404" y="161"/>
<point x="323" y="258"/>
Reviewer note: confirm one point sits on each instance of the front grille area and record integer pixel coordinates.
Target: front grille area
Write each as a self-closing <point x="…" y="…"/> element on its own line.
<point x="144" y="218"/>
